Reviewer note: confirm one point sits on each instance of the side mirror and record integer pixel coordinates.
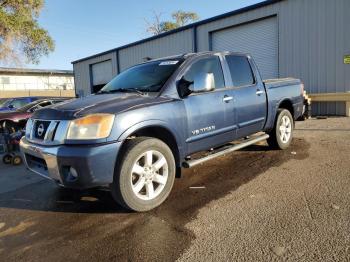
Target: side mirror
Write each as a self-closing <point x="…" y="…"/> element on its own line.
<point x="203" y="82"/>
<point x="11" y="107"/>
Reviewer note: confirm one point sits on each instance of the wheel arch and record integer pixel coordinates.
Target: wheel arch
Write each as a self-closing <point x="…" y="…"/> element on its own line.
<point x="286" y="104"/>
<point x="155" y="130"/>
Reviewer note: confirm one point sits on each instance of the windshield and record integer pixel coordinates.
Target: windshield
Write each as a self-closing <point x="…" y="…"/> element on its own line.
<point x="6" y="102"/>
<point x="2" y="101"/>
<point x="148" y="77"/>
<point x="29" y="106"/>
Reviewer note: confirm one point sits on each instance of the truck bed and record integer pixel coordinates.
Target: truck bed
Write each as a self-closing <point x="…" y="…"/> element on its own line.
<point x="278" y="82"/>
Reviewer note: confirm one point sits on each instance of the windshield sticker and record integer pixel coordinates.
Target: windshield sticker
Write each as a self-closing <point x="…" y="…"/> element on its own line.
<point x="174" y="62"/>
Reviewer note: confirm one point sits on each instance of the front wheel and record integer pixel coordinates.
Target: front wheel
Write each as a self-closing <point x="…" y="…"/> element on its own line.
<point x="145" y="175"/>
<point x="282" y="134"/>
<point x="7" y="159"/>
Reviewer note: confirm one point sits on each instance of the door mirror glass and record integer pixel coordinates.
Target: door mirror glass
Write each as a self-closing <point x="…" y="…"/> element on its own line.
<point x="203" y="82"/>
<point x="11" y="106"/>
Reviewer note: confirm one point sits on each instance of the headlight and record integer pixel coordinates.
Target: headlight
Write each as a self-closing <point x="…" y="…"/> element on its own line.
<point x="91" y="127"/>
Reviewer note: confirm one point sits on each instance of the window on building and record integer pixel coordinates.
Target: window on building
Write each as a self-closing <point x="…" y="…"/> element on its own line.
<point x="241" y="72"/>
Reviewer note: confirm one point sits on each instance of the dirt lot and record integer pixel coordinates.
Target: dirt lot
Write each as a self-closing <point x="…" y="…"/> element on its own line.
<point x="253" y="205"/>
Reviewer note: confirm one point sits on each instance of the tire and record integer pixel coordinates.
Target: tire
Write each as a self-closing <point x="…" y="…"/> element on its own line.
<point x="136" y="174"/>
<point x="7" y="159"/>
<point x="16" y="160"/>
<point x="277" y="139"/>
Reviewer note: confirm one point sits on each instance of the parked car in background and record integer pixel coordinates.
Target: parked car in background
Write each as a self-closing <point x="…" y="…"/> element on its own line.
<point x="11" y="104"/>
<point x="17" y="119"/>
<point x="2" y="100"/>
<point x="149" y="121"/>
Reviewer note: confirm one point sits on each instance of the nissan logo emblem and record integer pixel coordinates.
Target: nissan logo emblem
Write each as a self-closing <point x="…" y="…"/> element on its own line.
<point x="41" y="130"/>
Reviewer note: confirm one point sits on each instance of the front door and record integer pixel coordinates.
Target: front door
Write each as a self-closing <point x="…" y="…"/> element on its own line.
<point x="209" y="114"/>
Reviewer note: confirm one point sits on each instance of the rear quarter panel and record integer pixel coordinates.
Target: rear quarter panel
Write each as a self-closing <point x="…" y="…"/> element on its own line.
<point x="279" y="91"/>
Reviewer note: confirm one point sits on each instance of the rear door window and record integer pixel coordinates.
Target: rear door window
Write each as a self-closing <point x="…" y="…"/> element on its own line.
<point x="241" y="71"/>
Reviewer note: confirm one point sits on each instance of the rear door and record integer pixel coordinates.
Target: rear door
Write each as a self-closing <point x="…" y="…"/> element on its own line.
<point x="249" y="95"/>
<point x="207" y="112"/>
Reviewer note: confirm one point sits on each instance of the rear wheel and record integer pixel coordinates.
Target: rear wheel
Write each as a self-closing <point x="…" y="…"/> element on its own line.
<point x="145" y="175"/>
<point x="17" y="160"/>
<point x="282" y="134"/>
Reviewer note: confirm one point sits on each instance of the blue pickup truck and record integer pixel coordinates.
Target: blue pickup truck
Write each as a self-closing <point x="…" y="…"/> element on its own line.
<point x="137" y="133"/>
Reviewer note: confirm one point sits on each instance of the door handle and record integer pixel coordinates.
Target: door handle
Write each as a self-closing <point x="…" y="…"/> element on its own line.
<point x="259" y="92"/>
<point x="227" y="99"/>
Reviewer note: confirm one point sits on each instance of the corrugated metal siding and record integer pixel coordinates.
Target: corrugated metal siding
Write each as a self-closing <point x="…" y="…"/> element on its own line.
<point x="101" y="72"/>
<point x="181" y="42"/>
<point x="203" y="31"/>
<point x="260" y="39"/>
<point x="313" y="38"/>
<point x="82" y="72"/>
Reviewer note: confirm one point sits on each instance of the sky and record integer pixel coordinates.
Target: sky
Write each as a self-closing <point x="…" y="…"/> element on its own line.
<point x="81" y="28"/>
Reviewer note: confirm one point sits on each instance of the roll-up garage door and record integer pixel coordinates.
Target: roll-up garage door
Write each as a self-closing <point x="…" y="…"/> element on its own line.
<point x="101" y="74"/>
<point x="260" y="39"/>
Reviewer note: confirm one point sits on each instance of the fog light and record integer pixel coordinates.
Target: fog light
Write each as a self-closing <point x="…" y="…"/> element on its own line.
<point x="73" y="172"/>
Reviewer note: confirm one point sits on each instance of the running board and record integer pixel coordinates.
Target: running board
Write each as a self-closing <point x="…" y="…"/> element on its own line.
<point x="194" y="162"/>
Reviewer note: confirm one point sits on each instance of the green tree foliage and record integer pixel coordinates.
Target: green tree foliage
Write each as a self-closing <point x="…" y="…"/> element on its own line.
<point x="21" y="37"/>
<point x="183" y="18"/>
<point x="180" y="18"/>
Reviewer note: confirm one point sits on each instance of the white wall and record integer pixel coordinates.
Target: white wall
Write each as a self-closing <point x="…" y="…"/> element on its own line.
<point x="35" y="82"/>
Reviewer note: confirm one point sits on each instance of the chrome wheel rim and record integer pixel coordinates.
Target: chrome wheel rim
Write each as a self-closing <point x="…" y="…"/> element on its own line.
<point x="149" y="175"/>
<point x="285" y="129"/>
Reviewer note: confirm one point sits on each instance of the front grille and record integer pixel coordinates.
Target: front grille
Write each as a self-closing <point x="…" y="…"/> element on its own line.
<point x="47" y="132"/>
<point x="40" y="129"/>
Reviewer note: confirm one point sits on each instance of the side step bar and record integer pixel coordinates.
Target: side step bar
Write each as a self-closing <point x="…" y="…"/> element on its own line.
<point x="194" y="162"/>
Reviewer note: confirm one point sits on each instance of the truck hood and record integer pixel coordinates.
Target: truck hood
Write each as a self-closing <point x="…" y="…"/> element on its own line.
<point x="102" y="103"/>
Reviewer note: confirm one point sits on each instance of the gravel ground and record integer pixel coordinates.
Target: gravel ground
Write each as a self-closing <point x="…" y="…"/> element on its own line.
<point x="252" y="205"/>
<point x="299" y="211"/>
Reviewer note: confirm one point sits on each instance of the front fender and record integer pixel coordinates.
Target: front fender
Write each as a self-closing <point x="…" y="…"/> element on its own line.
<point x="149" y="123"/>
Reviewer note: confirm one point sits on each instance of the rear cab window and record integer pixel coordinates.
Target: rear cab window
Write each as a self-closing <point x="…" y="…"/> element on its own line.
<point x="241" y="71"/>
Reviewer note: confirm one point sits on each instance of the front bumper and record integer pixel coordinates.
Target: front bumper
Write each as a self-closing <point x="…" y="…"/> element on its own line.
<point x="94" y="164"/>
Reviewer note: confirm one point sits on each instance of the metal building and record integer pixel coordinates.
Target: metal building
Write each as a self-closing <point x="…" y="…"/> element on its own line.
<point x="17" y="82"/>
<point x="306" y="39"/>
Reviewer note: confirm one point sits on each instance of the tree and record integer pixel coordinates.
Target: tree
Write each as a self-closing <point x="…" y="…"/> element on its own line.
<point x="21" y="37"/>
<point x="181" y="18"/>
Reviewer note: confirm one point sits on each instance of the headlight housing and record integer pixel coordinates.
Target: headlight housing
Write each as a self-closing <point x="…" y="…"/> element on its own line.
<point x="96" y="126"/>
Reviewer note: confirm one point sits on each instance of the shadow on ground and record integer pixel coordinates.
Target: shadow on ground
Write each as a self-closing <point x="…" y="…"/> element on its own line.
<point x="111" y="232"/>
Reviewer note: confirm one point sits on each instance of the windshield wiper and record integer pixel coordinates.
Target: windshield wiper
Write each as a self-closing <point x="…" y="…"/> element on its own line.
<point x="135" y="90"/>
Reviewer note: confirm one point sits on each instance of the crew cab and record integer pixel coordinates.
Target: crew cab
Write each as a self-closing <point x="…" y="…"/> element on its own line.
<point x="137" y="133"/>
